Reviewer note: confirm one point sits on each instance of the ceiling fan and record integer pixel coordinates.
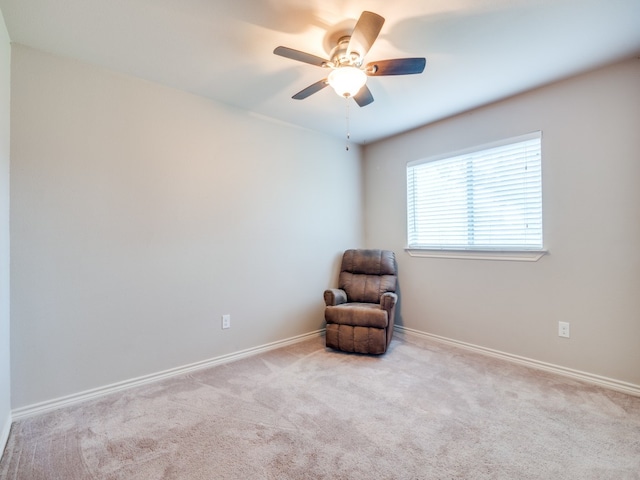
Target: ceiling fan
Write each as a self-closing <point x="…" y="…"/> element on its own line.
<point x="348" y="76"/>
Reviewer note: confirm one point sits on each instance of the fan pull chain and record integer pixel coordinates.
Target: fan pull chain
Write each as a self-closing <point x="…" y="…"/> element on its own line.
<point x="346" y="99"/>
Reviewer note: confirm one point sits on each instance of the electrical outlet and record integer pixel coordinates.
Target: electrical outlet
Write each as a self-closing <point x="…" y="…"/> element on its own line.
<point x="563" y="329"/>
<point x="226" y="321"/>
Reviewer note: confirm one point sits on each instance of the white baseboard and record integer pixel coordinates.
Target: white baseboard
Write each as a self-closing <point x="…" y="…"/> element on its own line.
<point x="610" y="383"/>
<point x="49" y="405"/>
<point x="4" y="433"/>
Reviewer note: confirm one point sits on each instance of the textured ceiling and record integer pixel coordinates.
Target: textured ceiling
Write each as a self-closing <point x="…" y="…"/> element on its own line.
<point x="477" y="51"/>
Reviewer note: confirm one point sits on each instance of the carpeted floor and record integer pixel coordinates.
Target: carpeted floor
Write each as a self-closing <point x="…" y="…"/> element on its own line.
<point x="422" y="411"/>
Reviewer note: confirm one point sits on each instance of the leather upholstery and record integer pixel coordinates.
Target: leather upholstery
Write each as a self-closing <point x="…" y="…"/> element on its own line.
<point x="360" y="313"/>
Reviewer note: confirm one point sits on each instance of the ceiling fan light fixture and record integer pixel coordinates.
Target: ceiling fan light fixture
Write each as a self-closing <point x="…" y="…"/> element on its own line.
<point x="348" y="75"/>
<point x="347" y="80"/>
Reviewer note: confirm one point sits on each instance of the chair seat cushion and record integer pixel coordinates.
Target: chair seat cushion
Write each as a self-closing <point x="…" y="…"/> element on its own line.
<point x="357" y="314"/>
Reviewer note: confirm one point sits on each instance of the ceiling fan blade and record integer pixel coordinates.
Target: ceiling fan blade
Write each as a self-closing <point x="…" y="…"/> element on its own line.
<point x="300" y="56"/>
<point x="365" y="33"/>
<point x="311" y="89"/>
<point x="363" y="97"/>
<point x="398" y="66"/>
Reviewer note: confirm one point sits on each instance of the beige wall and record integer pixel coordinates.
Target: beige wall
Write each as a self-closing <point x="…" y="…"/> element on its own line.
<point x="5" y="380"/>
<point x="141" y="214"/>
<point x="591" y="277"/>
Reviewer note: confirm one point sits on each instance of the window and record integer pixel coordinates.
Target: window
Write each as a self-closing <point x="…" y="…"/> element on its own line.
<point x="487" y="199"/>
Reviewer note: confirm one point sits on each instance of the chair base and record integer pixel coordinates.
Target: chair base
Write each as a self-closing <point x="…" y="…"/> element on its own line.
<point x="356" y="339"/>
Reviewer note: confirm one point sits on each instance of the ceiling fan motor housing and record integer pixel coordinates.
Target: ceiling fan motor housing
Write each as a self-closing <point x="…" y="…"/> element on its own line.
<point x="340" y="57"/>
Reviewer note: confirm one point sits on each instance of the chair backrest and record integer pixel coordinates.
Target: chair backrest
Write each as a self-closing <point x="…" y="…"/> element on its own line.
<point x="366" y="274"/>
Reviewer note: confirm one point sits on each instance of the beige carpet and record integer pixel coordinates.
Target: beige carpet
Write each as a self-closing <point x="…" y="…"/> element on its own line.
<point x="422" y="411"/>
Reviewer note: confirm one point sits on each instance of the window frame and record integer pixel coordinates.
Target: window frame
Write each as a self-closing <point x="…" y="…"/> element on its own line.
<point x="527" y="254"/>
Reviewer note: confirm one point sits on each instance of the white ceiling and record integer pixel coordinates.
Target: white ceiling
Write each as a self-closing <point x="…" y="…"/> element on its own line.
<point x="477" y="51"/>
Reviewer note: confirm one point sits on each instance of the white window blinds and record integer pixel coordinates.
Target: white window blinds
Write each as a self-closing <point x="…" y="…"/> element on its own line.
<point x="489" y="199"/>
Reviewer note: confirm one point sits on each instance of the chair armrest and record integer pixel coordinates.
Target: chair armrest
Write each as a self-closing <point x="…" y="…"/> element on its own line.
<point x="334" y="296"/>
<point x="388" y="301"/>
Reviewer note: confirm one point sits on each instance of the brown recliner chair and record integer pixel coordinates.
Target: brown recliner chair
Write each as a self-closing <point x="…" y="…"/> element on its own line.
<point x="360" y="313"/>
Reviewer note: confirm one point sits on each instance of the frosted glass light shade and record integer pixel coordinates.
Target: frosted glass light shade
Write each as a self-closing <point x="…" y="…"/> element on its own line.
<point x="347" y="81"/>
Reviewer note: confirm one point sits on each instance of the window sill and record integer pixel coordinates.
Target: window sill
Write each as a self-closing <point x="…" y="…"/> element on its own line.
<point x="502" y="255"/>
